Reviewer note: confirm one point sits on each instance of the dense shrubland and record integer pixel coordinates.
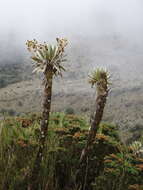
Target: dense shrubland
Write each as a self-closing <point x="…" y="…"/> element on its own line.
<point x="112" y="165"/>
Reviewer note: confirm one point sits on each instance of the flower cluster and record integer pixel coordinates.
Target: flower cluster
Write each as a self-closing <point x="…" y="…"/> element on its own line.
<point x="48" y="57"/>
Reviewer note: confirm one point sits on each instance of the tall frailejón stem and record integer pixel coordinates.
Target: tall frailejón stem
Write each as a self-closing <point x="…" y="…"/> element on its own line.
<point x="47" y="94"/>
<point x="48" y="59"/>
<point x="99" y="78"/>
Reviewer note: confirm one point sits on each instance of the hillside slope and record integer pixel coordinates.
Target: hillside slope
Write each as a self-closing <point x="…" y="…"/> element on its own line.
<point x="122" y="59"/>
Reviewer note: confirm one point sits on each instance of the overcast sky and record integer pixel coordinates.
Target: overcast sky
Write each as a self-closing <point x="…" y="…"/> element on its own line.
<point x="50" y="18"/>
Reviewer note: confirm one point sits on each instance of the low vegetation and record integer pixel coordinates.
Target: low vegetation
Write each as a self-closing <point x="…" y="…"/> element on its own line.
<point x="112" y="165"/>
<point x="13" y="73"/>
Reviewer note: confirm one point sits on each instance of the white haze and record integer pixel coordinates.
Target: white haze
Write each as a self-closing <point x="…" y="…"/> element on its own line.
<point x="26" y="19"/>
<point x="109" y="30"/>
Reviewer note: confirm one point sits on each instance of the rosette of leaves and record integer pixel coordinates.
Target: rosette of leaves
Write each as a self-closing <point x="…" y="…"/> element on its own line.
<point x="137" y="148"/>
<point x="47" y="56"/>
<point x="99" y="78"/>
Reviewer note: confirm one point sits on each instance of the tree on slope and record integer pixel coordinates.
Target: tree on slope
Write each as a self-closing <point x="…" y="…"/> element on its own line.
<point x="48" y="59"/>
<point x="100" y="79"/>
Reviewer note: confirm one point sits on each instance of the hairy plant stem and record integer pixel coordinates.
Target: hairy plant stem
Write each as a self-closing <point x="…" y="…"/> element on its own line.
<point x="44" y="130"/>
<point x="95" y="122"/>
<point x="100" y="104"/>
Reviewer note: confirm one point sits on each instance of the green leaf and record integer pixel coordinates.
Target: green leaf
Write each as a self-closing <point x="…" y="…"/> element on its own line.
<point x="36" y="59"/>
<point x="42" y="55"/>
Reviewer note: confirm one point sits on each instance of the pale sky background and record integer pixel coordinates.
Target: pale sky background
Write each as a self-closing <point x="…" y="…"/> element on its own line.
<point x="42" y="19"/>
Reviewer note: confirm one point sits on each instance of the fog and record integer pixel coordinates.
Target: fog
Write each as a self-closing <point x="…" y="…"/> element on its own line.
<point x="50" y="18"/>
<point x="105" y="27"/>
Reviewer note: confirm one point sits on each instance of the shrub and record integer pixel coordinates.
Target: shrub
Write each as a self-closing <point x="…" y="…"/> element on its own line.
<point x="69" y="110"/>
<point x="9" y="112"/>
<point x="3" y="83"/>
<point x="110" y="165"/>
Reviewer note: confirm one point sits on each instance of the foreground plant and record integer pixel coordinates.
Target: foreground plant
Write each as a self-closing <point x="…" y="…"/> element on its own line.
<point x="100" y="79"/>
<point x="137" y="148"/>
<point x="48" y="59"/>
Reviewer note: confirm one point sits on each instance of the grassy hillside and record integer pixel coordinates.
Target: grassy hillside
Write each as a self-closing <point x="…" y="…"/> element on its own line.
<point x="20" y="91"/>
<point x="12" y="73"/>
<point x="124" y="105"/>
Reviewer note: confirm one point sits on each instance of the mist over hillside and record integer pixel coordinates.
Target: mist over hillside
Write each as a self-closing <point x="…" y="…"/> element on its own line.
<point x="99" y="32"/>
